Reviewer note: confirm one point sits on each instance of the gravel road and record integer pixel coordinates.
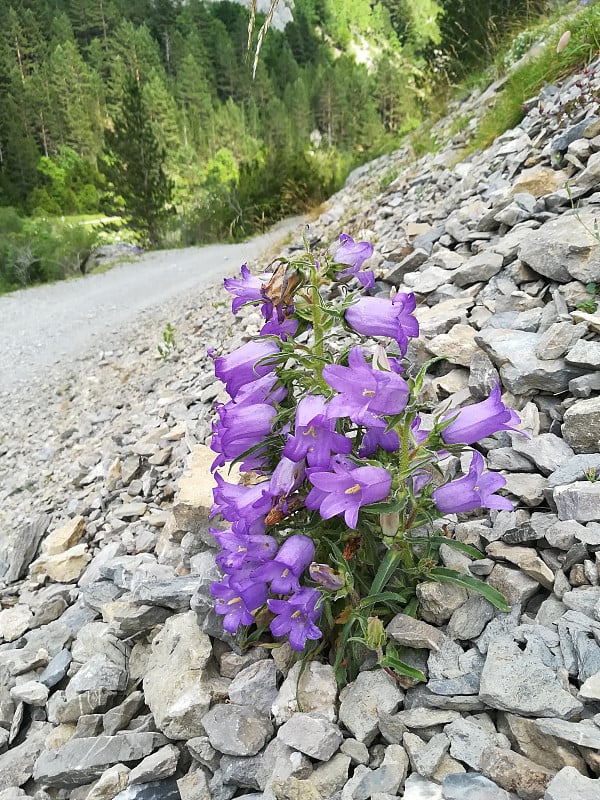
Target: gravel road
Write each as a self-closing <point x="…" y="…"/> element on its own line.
<point x="45" y="329"/>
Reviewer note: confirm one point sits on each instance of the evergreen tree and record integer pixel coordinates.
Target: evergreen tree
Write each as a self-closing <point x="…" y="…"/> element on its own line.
<point x="134" y="166"/>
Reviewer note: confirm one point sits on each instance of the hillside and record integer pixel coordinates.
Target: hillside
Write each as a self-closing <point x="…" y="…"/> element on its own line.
<point x="108" y="561"/>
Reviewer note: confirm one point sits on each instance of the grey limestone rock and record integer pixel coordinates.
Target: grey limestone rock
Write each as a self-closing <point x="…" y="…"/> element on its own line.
<point x="411" y="632"/>
<point x="362" y="700"/>
<point x="581" y="426"/>
<point x="469" y="620"/>
<point x="180" y="651"/>
<point x="236" y="730"/>
<point x="473" y="786"/>
<point x="314" y="688"/>
<point x="154" y="790"/>
<point x="569" y="783"/>
<point x="522" y="684"/>
<point x="311" y="734"/>
<point x="583" y="734"/>
<point x="255" y="686"/>
<point x="80" y="761"/>
<point x="419" y="788"/>
<point x="546" y="451"/>
<point x="579" y="501"/>
<point x="160" y="764"/>
<point x="468" y="740"/>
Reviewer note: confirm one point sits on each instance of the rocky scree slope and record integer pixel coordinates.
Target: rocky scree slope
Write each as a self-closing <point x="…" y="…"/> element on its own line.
<point x="116" y="679"/>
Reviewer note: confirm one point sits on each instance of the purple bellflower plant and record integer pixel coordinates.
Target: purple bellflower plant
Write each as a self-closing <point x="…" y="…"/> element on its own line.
<point x="337" y="515"/>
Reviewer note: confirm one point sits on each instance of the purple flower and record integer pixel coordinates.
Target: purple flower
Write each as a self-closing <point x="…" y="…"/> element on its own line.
<point x="262" y="390"/>
<point x="474" y="490"/>
<point x="247" y="503"/>
<point x="240" y="549"/>
<point x="283" y="572"/>
<point x="354" y="254"/>
<point x="345" y="490"/>
<point x="376" y="316"/>
<point x="378" y="437"/>
<point x="284" y="329"/>
<point x="240" y="367"/>
<point x="287" y="477"/>
<point x="296" y="617"/>
<point x="480" y="420"/>
<point x="245" y="289"/>
<point x="365" y="393"/>
<point x="240" y="427"/>
<point x="314" y="437"/>
<point x="238" y="605"/>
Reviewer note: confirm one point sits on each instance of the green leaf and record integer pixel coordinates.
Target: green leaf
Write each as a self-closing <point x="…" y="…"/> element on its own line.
<point x="464" y="548"/>
<point x="418" y="381"/>
<point x="386" y="569"/>
<point x="403" y="669"/>
<point x="385" y="597"/>
<point x="443" y="575"/>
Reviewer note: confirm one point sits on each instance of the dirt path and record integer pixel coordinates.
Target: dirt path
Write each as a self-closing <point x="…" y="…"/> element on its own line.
<point x="47" y="328"/>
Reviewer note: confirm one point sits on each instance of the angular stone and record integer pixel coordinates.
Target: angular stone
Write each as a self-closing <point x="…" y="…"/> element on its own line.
<point x="481" y="267"/>
<point x="526" y="559"/>
<point x="64" y="567"/>
<point x="16" y="765"/>
<point x="18" y="550"/>
<point x="583" y="734"/>
<point x="312" y="735"/>
<point x="32" y="693"/>
<point x="581" y="425"/>
<point x="521" y="371"/>
<point x="468" y="741"/>
<point x="81" y="761"/>
<point x="255" y="686"/>
<point x="155" y="790"/>
<point x="313" y="688"/>
<point x="160" y="764"/>
<point x="363" y="699"/>
<point x="546" y="750"/>
<point x="569" y="783"/>
<point x="579" y="501"/>
<point x="194" y="786"/>
<point x="547" y="451"/>
<point x="473" y="786"/>
<point x="522" y="684"/>
<point x="556" y="340"/>
<point x="515" y="773"/>
<point x="419" y="788"/>
<point x="14" y="622"/>
<point x="564" y="248"/>
<point x="584" y="354"/>
<point x="110" y="783"/>
<point x="458" y="346"/>
<point x="236" y="730"/>
<point x="194" y="492"/>
<point x="65" y="537"/>
<point x="182" y="651"/>
<point x="411" y="632"/>
<point x="468" y="621"/>
<point x="513" y="584"/>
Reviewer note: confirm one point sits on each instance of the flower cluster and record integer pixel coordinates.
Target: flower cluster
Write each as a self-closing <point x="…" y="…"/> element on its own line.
<point x="338" y="468"/>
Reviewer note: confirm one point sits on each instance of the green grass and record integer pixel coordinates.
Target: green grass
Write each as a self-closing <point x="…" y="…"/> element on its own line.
<point x="547" y="67"/>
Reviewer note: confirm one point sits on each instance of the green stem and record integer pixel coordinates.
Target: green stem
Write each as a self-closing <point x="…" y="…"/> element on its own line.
<point x="318" y="327"/>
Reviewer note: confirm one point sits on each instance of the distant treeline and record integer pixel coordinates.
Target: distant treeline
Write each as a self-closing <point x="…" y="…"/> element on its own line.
<point x="342" y="83"/>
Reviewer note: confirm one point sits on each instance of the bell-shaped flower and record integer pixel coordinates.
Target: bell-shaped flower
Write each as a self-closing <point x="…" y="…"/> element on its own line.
<point x="241" y="366"/>
<point x="245" y="289"/>
<point x="474" y="490"/>
<point x="284" y="571"/>
<point x="284" y="329"/>
<point x="314" y="436"/>
<point x="378" y="437"/>
<point x="238" y="605"/>
<point x="262" y="390"/>
<point x="296" y="617"/>
<point x="345" y="490"/>
<point x="479" y="420"/>
<point x="240" y="549"/>
<point x="237" y="503"/>
<point x="376" y="316"/>
<point x="240" y="427"/>
<point x="354" y="254"/>
<point x="365" y="394"/>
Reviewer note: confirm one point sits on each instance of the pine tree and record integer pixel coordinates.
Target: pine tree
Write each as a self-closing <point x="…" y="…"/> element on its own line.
<point x="134" y="165"/>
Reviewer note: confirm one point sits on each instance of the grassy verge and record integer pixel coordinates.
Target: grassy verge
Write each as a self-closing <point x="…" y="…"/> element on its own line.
<point x="547" y="66"/>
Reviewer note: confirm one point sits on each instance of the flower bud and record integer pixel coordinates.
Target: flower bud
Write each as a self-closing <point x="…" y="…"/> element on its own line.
<point x="376" y="637"/>
<point x="390" y="523"/>
<point x="325" y="576"/>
